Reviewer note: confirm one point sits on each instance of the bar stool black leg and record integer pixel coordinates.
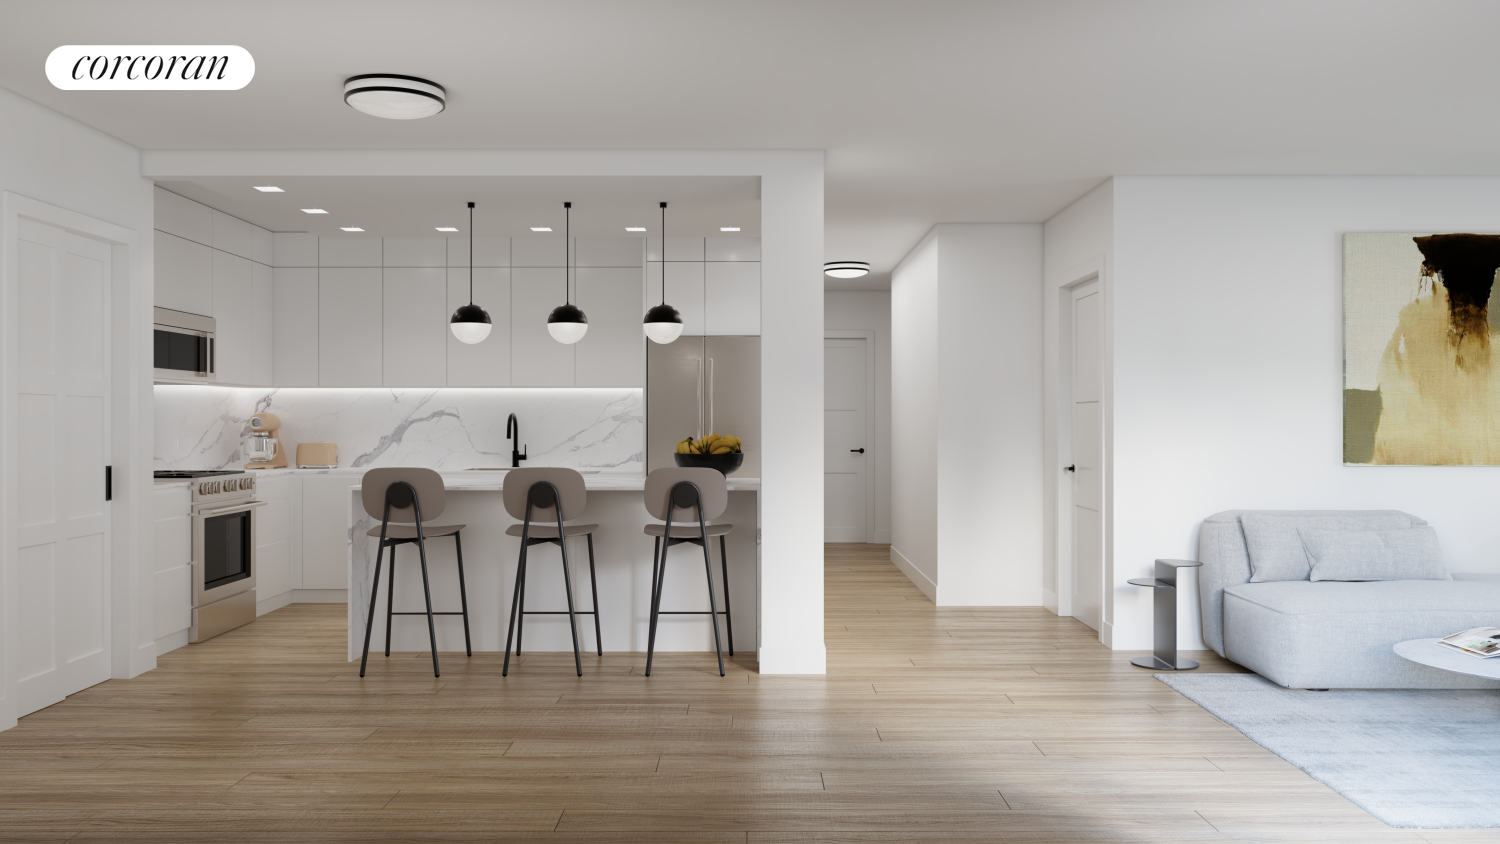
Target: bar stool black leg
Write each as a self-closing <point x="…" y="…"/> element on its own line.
<point x="463" y="597"/>
<point x="572" y="619"/>
<point x="655" y="552"/>
<point x="728" y="619"/>
<point x="521" y="617"/>
<point x="660" y="579"/>
<point x="370" y="623"/>
<point x="514" y="604"/>
<point x="708" y="567"/>
<point x="594" y="585"/>
<point x="390" y="599"/>
<point x="427" y="592"/>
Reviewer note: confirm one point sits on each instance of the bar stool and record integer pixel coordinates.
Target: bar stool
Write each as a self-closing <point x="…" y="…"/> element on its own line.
<point x="688" y="495"/>
<point x="531" y="495"/>
<point x="398" y="495"/>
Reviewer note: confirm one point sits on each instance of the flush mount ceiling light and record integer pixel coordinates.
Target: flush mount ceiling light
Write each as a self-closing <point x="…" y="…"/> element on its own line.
<point x="313" y="211"/>
<point x="729" y="228"/>
<point x="351" y="229"/>
<point x="393" y="96"/>
<point x="567" y="323"/>
<point x="446" y="229"/>
<point x="269" y="189"/>
<point x="663" y="323"/>
<point x="846" y="269"/>
<point x="470" y="323"/>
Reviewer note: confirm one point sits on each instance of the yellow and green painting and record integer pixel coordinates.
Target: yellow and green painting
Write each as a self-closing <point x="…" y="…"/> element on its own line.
<point x="1421" y="375"/>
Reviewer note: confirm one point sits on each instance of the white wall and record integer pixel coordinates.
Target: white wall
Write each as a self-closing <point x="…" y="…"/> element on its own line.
<point x="967" y="414"/>
<point x="1228" y="365"/>
<point x="870" y="310"/>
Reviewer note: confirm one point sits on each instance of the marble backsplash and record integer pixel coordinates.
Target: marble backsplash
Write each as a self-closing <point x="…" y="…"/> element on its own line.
<point x="205" y="427"/>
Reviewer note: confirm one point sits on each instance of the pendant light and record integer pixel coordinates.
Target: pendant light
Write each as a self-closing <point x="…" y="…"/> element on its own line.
<point x="470" y="323"/>
<point x="663" y="322"/>
<point x="567" y="324"/>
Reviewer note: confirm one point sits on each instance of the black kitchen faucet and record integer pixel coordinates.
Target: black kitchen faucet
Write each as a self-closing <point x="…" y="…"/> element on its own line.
<point x="513" y="431"/>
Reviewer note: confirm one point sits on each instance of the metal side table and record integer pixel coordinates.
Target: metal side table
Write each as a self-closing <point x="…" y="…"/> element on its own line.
<point x="1164" y="608"/>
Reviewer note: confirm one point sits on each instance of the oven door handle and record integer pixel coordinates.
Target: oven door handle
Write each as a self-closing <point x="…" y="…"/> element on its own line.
<point x="238" y="508"/>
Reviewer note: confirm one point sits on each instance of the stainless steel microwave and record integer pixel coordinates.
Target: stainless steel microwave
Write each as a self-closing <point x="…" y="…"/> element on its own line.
<point x="182" y="346"/>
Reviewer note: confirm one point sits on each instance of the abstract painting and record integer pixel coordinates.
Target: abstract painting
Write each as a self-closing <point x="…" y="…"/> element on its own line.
<point x="1421" y="385"/>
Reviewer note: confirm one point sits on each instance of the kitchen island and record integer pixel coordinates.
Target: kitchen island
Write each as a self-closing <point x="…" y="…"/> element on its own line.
<point x="622" y="559"/>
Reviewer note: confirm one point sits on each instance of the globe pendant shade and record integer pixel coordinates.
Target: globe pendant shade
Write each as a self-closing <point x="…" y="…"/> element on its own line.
<point x="470" y="324"/>
<point x="567" y="324"/>
<point x="663" y="323"/>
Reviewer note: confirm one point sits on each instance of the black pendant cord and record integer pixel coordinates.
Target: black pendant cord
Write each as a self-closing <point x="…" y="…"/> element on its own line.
<point x="664" y="253"/>
<point x="567" y="258"/>
<point x="471" y="253"/>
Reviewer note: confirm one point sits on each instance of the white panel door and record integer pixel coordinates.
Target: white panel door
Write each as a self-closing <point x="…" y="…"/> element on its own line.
<point x="1087" y="458"/>
<point x="416" y="326"/>
<point x="349" y="328"/>
<point x="486" y="363"/>
<point x="62" y="425"/>
<point x="845" y="452"/>
<point x="613" y="353"/>
<point x="234" y="318"/>
<point x="536" y="360"/>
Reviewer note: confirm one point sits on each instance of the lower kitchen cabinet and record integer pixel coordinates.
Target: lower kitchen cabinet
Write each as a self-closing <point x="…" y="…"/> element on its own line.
<point x="325" y="531"/>
<point x="273" y="522"/>
<point x="172" y="578"/>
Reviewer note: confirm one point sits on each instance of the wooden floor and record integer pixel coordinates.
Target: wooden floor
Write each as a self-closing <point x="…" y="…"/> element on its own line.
<point x="932" y="725"/>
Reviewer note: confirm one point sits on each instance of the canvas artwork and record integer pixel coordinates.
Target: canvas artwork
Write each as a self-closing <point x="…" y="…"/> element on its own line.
<point x="1421" y="379"/>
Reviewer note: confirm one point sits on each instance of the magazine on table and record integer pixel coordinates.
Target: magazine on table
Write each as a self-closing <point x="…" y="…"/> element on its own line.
<point x="1483" y="642"/>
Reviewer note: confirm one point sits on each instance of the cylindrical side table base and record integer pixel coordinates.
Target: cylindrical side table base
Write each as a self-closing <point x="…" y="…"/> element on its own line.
<point x="1162" y="665"/>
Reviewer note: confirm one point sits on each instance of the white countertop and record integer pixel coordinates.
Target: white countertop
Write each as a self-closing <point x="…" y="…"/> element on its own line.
<point x="481" y="480"/>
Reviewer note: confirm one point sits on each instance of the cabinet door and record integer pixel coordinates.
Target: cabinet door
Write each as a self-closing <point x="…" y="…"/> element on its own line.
<point x="325" y="531"/>
<point x="294" y="327"/>
<point x="536" y="360"/>
<point x="349" y="327"/>
<point x="487" y="363"/>
<point x="613" y="353"/>
<point x="262" y="343"/>
<point x="731" y="394"/>
<point x="272" y="558"/>
<point x="415" y="251"/>
<point x="684" y="291"/>
<point x="262" y="247"/>
<point x="180" y="216"/>
<point x="731" y="298"/>
<point x="234" y="319"/>
<point x="184" y="275"/>
<point x="233" y="235"/>
<point x="416" y="326"/>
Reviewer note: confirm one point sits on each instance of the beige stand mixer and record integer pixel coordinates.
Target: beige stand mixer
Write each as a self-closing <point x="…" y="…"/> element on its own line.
<point x="264" y="449"/>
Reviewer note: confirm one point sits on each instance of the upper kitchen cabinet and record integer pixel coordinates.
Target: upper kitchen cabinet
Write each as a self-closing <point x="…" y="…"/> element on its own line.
<point x="415" y="252"/>
<point x="608" y="252"/>
<point x="350" y="316"/>
<point x="416" y="326"/>
<point x="486" y="363"/>
<point x="536" y="359"/>
<point x="488" y="252"/>
<point x="294" y="333"/>
<point x="262" y="325"/>
<point x="613" y="352"/>
<point x="678" y="249"/>
<point x="180" y="216"/>
<point x="684" y="291"/>
<point x="349" y="251"/>
<point x="234" y="318"/>
<point x="536" y="252"/>
<point x="731" y="297"/>
<point x="233" y="235"/>
<point x="262" y="247"/>
<point x="731" y="249"/>
<point x="184" y="274"/>
<point x="294" y="249"/>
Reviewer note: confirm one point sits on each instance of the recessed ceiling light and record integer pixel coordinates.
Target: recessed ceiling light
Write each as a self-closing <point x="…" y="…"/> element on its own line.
<point x="353" y="229"/>
<point x="635" y="228"/>
<point x="394" y="96"/>
<point x="446" y="229"/>
<point x="541" y="228"/>
<point x="269" y="189"/>
<point x="313" y="211"/>
<point x="846" y="269"/>
<point x="729" y="228"/>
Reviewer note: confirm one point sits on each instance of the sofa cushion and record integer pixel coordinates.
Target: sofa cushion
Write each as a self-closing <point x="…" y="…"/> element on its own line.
<point x="1275" y="547"/>
<point x="1410" y="554"/>
<point x="1332" y="597"/>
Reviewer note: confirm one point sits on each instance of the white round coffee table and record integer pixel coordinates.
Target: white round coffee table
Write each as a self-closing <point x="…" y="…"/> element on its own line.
<point x="1429" y="652"/>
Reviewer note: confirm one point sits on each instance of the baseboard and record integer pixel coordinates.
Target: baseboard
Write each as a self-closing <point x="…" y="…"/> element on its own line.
<point x="171" y="642"/>
<point x="1107" y="634"/>
<point x="320" y="596"/>
<point x="811" y="658"/>
<point x="1049" y="600"/>
<point x="273" y="603"/>
<point x="914" y="575"/>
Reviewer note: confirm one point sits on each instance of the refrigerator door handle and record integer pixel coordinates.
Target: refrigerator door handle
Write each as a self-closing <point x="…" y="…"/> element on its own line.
<point x="700" y="398"/>
<point x="711" y="396"/>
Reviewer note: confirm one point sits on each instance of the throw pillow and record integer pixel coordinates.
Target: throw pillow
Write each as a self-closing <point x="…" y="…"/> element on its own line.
<point x="1410" y="554"/>
<point x="1276" y="551"/>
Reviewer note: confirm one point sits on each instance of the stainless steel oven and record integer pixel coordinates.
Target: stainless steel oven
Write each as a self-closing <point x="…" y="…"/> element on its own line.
<point x="182" y="346"/>
<point x="223" y="554"/>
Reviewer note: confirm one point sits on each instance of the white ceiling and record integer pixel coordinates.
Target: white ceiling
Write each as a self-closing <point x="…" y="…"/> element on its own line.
<point x="931" y="111"/>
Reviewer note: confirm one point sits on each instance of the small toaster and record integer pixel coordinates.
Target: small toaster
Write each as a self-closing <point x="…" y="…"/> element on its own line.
<point x="317" y="455"/>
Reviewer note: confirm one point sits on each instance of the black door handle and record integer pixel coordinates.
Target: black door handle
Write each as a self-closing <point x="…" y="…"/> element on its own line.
<point x="856" y="451"/>
<point x="1070" y="468"/>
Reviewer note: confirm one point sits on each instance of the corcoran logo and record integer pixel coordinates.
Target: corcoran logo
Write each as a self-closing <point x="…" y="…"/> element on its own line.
<point x="144" y="68"/>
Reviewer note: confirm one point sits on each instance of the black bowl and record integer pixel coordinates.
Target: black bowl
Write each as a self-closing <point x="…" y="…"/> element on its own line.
<point x="725" y="463"/>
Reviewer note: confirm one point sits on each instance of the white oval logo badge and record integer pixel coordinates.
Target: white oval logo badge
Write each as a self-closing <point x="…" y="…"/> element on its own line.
<point x="146" y="68"/>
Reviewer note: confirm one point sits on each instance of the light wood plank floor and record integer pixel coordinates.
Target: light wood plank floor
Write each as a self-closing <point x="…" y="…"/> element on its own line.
<point x="932" y="725"/>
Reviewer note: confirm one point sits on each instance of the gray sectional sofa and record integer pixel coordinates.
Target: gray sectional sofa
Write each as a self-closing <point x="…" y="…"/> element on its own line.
<point x="1308" y="634"/>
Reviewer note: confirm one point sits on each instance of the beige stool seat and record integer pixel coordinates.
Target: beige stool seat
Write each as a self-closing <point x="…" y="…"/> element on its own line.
<point x="410" y="531"/>
<point x="685" y="532"/>
<point x="550" y="531"/>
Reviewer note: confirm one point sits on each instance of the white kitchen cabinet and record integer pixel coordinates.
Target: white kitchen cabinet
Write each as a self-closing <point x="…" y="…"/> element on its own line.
<point x="536" y="252"/>
<point x="325" y="531"/>
<point x="684" y="291"/>
<point x="294" y="327"/>
<point x="180" y="216"/>
<point x="608" y="252"/>
<point x="731" y="298"/>
<point x="488" y="252"/>
<point x="262" y="247"/>
<point x="233" y="235"/>
<point x="294" y="249"/>
<point x="487" y="363"/>
<point x="349" y="327"/>
<point x="184" y="275"/>
<point x="416" y="326"/>
<point x="349" y="251"/>
<point x="613" y="352"/>
<point x="234" y="318"/>
<point x="262" y="333"/>
<point x="273" y="575"/>
<point x="415" y="252"/>
<point x="678" y="249"/>
<point x="172" y="578"/>
<point x="536" y="360"/>
<point x="731" y="249"/>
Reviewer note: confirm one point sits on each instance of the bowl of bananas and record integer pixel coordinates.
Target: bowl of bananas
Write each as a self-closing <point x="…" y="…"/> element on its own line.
<point x="711" y="452"/>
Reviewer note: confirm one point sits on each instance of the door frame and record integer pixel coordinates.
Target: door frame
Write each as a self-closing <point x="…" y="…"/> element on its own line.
<point x="871" y="455"/>
<point x="130" y="600"/>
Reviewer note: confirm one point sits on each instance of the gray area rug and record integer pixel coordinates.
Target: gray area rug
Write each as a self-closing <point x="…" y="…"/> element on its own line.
<point x="1420" y="758"/>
